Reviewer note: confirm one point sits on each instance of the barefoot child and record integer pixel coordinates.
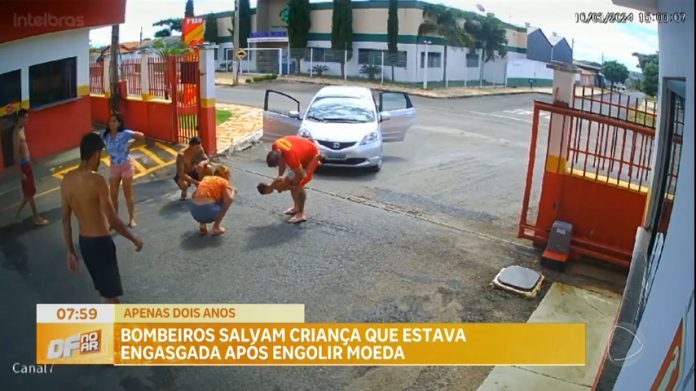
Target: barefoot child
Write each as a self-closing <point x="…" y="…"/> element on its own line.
<point x="212" y="199"/>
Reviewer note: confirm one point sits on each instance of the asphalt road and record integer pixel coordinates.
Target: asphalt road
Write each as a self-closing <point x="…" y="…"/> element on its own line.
<point x="464" y="162"/>
<point x="418" y="242"/>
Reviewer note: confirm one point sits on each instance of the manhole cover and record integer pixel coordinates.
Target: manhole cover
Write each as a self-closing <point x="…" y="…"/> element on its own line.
<point x="520" y="280"/>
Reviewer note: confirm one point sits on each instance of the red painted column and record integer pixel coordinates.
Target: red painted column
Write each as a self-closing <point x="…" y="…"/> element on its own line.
<point x="208" y="126"/>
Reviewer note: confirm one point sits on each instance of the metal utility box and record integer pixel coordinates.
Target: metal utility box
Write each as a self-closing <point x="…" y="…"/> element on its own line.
<point x="558" y="248"/>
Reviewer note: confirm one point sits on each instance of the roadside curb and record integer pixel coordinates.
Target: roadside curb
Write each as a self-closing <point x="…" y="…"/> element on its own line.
<point x="243" y="143"/>
<point x="413" y="92"/>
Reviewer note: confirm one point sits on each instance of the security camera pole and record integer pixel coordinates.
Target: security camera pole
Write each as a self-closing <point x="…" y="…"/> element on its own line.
<point x="236" y="61"/>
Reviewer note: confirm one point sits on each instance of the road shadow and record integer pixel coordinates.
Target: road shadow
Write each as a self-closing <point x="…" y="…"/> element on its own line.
<point x="171" y="209"/>
<point x="392" y="159"/>
<point x="16" y="252"/>
<point x="273" y="235"/>
<point x="192" y="241"/>
<point x="342" y="173"/>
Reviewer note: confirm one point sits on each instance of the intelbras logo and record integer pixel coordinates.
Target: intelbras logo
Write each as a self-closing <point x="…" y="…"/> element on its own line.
<point x="74" y="345"/>
<point x="47" y="20"/>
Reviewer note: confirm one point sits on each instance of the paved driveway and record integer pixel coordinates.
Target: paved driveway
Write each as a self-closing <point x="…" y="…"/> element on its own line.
<point x="418" y="242"/>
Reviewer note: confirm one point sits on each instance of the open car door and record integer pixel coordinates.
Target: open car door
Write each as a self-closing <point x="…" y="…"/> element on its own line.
<point x="281" y="115"/>
<point x="400" y="115"/>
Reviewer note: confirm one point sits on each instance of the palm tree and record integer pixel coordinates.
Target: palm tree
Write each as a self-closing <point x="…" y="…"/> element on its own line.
<point x="450" y="24"/>
<point x="164" y="49"/>
<point x="489" y="36"/>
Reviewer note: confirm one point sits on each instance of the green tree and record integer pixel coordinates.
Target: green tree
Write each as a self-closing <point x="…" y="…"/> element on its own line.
<point x="211" y="29"/>
<point x="189" y="9"/>
<point x="490" y="36"/>
<point x="651" y="79"/>
<point x="170" y="25"/>
<point x="649" y="65"/>
<point x="615" y="72"/>
<point x="164" y="49"/>
<point x="393" y="34"/>
<point x="448" y="23"/>
<point x="299" y="23"/>
<point x="342" y="29"/>
<point x="644" y="59"/>
<point x="244" y="22"/>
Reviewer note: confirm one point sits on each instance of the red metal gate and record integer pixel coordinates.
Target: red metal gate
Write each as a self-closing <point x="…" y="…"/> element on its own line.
<point x="598" y="182"/>
<point x="184" y="77"/>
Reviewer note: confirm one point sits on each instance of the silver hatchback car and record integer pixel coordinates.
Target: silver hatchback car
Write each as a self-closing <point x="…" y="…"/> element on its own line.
<point x="349" y="123"/>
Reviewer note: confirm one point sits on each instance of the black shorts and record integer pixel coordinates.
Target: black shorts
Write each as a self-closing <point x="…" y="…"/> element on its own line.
<point x="99" y="255"/>
<point x="193" y="174"/>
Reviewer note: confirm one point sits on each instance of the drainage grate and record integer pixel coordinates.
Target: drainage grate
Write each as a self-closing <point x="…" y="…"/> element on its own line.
<point x="520" y="280"/>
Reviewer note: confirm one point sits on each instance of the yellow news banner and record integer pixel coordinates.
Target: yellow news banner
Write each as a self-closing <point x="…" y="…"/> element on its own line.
<point x="276" y="335"/>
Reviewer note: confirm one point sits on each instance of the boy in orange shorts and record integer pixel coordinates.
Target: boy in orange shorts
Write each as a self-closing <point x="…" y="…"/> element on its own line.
<point x="302" y="156"/>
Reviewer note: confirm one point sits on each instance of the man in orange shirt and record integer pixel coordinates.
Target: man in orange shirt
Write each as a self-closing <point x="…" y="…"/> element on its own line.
<point x="302" y="156"/>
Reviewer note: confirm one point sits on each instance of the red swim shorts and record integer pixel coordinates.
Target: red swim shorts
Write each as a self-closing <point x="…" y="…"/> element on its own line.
<point x="28" y="185"/>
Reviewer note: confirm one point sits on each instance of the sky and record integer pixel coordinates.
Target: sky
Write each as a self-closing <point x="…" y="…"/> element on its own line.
<point x="614" y="41"/>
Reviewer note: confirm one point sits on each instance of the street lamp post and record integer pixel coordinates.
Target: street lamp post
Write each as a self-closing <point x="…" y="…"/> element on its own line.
<point x="425" y="65"/>
<point x="236" y="63"/>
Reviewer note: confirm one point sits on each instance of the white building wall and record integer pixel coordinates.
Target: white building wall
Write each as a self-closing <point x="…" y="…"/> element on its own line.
<point x="435" y="74"/>
<point x="456" y="65"/>
<point x="674" y="279"/>
<point x="519" y="69"/>
<point x="524" y="68"/>
<point x="494" y="71"/>
<point x="353" y="67"/>
<point x="26" y="52"/>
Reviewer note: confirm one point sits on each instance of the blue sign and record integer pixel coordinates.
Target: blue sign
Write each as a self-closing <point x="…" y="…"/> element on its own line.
<point x="269" y="34"/>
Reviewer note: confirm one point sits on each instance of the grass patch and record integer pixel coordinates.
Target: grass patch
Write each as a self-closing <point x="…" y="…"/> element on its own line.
<point x="648" y="119"/>
<point x="222" y="116"/>
<point x="432" y="85"/>
<point x="257" y="79"/>
<point x="191" y="120"/>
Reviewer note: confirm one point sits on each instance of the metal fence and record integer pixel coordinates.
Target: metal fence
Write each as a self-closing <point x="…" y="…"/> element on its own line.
<point x="157" y="74"/>
<point x="423" y="66"/>
<point x="96" y="78"/>
<point x="130" y="71"/>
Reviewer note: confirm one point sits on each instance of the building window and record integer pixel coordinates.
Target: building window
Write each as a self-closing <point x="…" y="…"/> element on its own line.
<point x="669" y="153"/>
<point x="472" y="60"/>
<point x="10" y="88"/>
<point x="315" y="54"/>
<point x="10" y="94"/>
<point x="374" y="57"/>
<point x="52" y="82"/>
<point x="434" y="60"/>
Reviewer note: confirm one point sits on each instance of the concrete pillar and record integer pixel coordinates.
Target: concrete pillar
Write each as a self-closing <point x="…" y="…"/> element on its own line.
<point x="106" y="78"/>
<point x="560" y="130"/>
<point x="208" y="129"/>
<point x="145" y="76"/>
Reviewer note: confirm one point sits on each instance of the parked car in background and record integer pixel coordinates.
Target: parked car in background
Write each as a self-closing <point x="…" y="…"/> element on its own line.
<point x="349" y="123"/>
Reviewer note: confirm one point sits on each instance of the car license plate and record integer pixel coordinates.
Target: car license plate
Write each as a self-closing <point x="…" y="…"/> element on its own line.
<point x="336" y="156"/>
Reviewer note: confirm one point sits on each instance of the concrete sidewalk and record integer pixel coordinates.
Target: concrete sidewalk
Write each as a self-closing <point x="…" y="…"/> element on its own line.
<point x="438" y="92"/>
<point x="226" y="79"/>
<point x="242" y="130"/>
<point x="564" y="303"/>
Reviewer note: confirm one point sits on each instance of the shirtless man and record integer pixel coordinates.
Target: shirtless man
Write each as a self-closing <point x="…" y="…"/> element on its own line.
<point x="85" y="193"/>
<point x="302" y="156"/>
<point x="21" y="151"/>
<point x="189" y="163"/>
